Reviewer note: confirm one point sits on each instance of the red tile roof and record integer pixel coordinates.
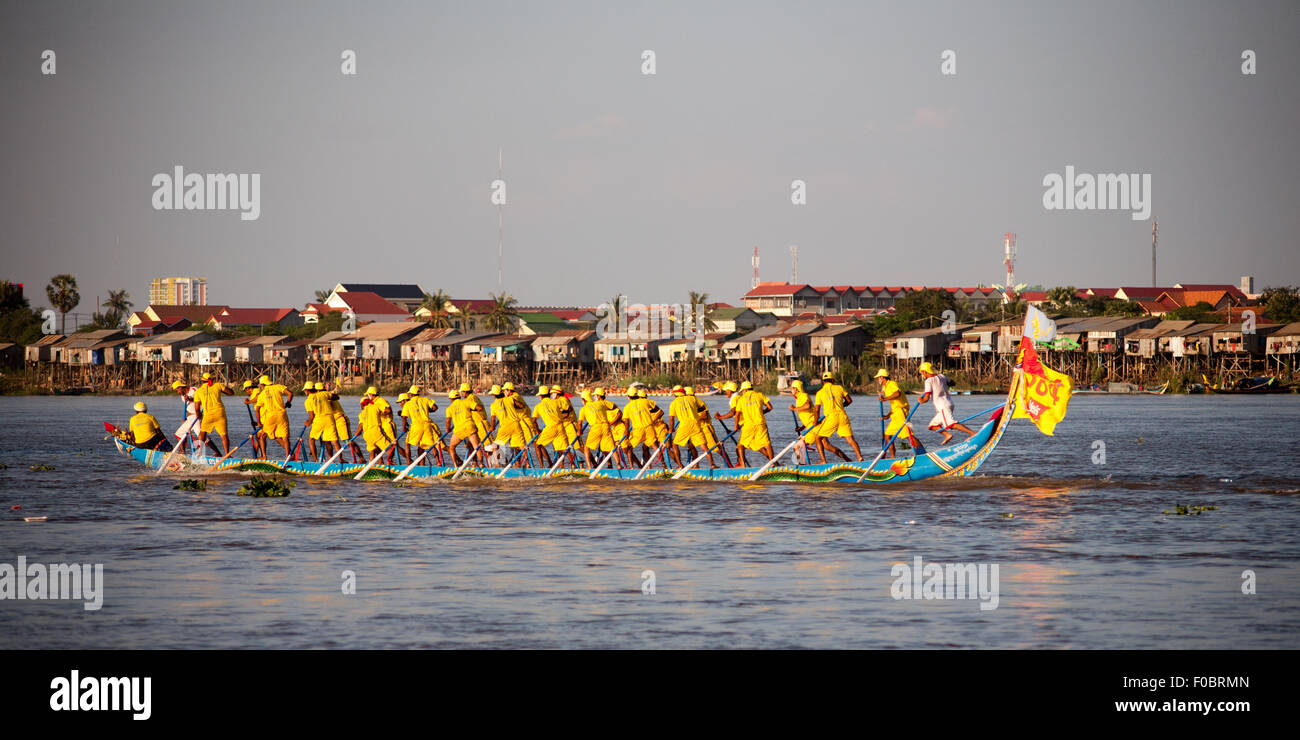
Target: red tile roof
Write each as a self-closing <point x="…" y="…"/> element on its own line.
<point x="361" y="301"/>
<point x="235" y="316"/>
<point x="472" y="305"/>
<point x="774" y="289"/>
<point x="1231" y="290"/>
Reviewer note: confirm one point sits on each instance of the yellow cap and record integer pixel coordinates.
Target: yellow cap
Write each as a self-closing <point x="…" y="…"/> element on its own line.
<point x="451" y="394"/>
<point x="264" y="380"/>
<point x="676" y="388"/>
<point x="746" y="386"/>
<point x="401" y="397"/>
<point x="309" y="386"/>
<point x="828" y="376"/>
<point x="372" y="391"/>
<point x="586" y="395"/>
<point x="414" y="390"/>
<point x="882" y="373"/>
<point x="320" y="386"/>
<point x="689" y="390"/>
<point x="796" y="384"/>
<point x="494" y="390"/>
<point x="556" y="389"/>
<point x="599" y="392"/>
<point x="508" y="386"/>
<point x="207" y="376"/>
<point x="543" y="390"/>
<point x="640" y="393"/>
<point x="729" y="386"/>
<point x="177" y="385"/>
<point x="248" y="384"/>
<point x="464" y="388"/>
<point x="139" y="406"/>
<point x="927" y="368"/>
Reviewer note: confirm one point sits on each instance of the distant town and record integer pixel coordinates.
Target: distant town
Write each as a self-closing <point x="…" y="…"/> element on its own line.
<point x="358" y="334"/>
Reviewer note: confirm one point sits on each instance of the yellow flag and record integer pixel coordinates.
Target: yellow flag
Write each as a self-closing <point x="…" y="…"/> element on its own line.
<point x="1044" y="394"/>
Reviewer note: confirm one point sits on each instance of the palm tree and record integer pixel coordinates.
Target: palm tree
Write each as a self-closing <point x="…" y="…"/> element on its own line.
<point x="501" y="316"/>
<point x="436" y="303"/>
<point x="118" y="305"/>
<point x="63" y="295"/>
<point x="1062" y="296"/>
<point x="323" y="295"/>
<point x="702" y="313"/>
<point x="616" y="306"/>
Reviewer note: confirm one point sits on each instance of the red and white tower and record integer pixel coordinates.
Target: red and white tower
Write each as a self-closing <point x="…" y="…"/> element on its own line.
<point x="1009" y="259"/>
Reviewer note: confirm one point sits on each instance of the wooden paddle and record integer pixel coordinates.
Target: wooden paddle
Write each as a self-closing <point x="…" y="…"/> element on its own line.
<point x="342" y="447"/>
<point x="181" y="434"/>
<point x="885" y="447"/>
<point x="473" y="454"/>
<point x="521" y="451"/>
<point x="374" y="460"/>
<point x="417" y="460"/>
<point x="560" y="457"/>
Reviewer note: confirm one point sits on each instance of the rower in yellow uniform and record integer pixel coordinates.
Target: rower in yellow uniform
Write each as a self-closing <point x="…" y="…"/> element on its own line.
<point x="832" y="400"/>
<point x="898" y="408"/>
<point x="145" y="432"/>
<point x="419" y="410"/>
<point x="476" y="410"/>
<point x="386" y="423"/>
<point x="659" y="427"/>
<point x="685" y="417"/>
<point x="753" y="407"/>
<point x="596" y="413"/>
<point x="465" y="423"/>
<point x="406" y="424"/>
<point x="323" y="428"/>
<point x="567" y="415"/>
<point x="259" y="438"/>
<point x="808" y="419"/>
<point x="372" y="425"/>
<point x="503" y="420"/>
<point x="706" y="428"/>
<point x="342" y="426"/>
<point x="544" y="413"/>
<point x="621" y="431"/>
<point x="517" y="405"/>
<point x="212" y="411"/>
<point x="273" y="400"/>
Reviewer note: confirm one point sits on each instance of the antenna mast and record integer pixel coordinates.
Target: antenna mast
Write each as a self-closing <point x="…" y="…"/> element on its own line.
<point x="500" y="206"/>
<point x="754" y="262"/>
<point x="794" y="265"/>
<point x="1155" y="233"/>
<point x="1009" y="249"/>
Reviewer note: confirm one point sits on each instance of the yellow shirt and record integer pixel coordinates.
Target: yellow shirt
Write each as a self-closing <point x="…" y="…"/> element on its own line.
<point x="504" y="411"/>
<point x="898" y="406"/>
<point x="546" y="411"/>
<point x="370" y="419"/>
<point x="751" y="406"/>
<point x="564" y="409"/>
<point x="683" y="409"/>
<point x="596" y="413"/>
<point x="209" y="397"/>
<point x="144" y="427"/>
<point x="637" y="413"/>
<point x="831" y="398"/>
<point x="271" y="398"/>
<point x="807" y="418"/>
<point x="419" y="409"/>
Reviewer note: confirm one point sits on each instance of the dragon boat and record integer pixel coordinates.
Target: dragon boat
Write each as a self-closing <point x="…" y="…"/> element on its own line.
<point x="957" y="459"/>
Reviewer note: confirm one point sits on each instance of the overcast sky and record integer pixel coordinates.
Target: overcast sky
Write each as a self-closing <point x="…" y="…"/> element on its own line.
<point x="647" y="185"/>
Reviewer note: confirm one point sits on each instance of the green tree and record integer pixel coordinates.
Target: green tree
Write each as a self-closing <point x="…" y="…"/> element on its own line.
<point x="1115" y="307"/>
<point x="1202" y="313"/>
<point x="322" y="295"/>
<point x="925" y="304"/>
<point x="701" y="313"/>
<point x="119" y="301"/>
<point x="501" y="316"/>
<point x="1282" y="304"/>
<point x="63" y="295"/>
<point x="436" y="303"/>
<point x="1063" y="296"/>
<point x="18" y="322"/>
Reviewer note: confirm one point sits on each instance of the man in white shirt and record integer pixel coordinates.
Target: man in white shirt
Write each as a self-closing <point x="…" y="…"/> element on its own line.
<point x="936" y="387"/>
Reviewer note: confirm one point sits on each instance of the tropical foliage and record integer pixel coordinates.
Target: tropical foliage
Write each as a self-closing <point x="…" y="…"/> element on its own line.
<point x="501" y="316"/>
<point x="63" y="295"/>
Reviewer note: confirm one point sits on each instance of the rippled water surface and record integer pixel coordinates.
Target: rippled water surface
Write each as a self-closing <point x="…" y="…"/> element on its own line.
<point x="1086" y="558"/>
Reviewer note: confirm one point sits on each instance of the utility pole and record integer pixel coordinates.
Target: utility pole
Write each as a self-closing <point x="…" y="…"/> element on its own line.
<point x="1155" y="232"/>
<point x="794" y="265"/>
<point x="500" y="206"/>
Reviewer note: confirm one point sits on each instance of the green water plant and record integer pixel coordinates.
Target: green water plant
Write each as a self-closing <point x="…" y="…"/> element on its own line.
<point x="190" y="484"/>
<point x="1185" y="510"/>
<point x="42" y="468"/>
<point x="265" y="487"/>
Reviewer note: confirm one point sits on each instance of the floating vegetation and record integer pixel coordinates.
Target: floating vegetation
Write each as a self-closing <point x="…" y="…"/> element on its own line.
<point x="259" y="487"/>
<point x="42" y="468"/>
<point x="1008" y="515"/>
<point x="1185" y="510"/>
<point x="190" y="484"/>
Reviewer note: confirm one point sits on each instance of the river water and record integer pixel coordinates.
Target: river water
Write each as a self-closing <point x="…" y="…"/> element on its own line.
<point x="1085" y="556"/>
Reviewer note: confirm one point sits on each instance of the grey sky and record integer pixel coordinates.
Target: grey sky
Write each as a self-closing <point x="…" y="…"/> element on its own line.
<point x="652" y="186"/>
